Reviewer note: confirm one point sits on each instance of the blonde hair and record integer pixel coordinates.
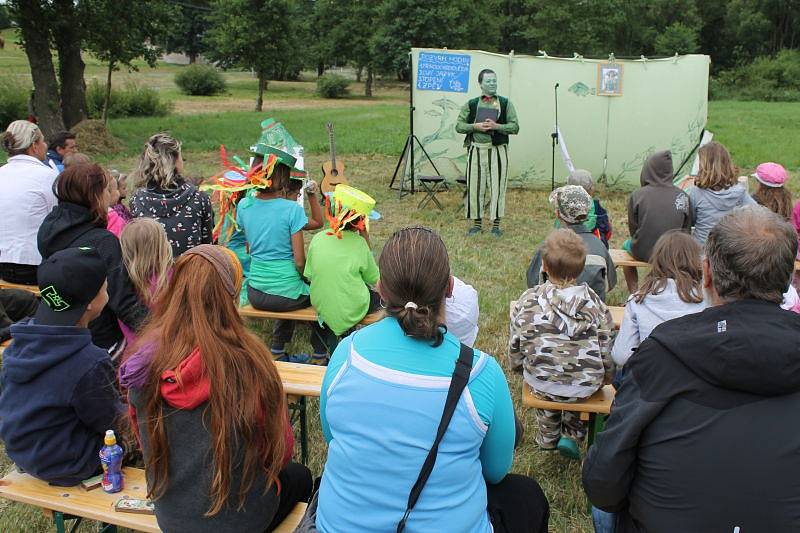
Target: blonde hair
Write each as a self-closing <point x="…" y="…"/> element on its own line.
<point x="564" y="255"/>
<point x="157" y="162"/>
<point x="147" y="256"/>
<point x="76" y="158"/>
<point x="717" y="171"/>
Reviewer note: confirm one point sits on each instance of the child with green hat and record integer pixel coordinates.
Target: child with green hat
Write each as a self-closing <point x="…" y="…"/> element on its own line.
<point x="340" y="264"/>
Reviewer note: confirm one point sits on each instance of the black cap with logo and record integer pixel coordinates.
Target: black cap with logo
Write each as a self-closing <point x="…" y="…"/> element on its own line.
<point x="68" y="281"/>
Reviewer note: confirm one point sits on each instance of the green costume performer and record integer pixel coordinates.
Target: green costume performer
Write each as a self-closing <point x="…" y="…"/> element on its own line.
<point x="487" y="151"/>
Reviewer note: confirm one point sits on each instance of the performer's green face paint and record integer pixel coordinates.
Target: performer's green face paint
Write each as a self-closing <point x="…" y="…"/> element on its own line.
<point x="489" y="84"/>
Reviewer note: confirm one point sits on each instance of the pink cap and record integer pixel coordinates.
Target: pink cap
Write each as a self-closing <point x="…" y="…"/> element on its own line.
<point x="771" y="174"/>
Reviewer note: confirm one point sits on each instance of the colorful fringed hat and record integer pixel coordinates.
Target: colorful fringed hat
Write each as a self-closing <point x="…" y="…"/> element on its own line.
<point x="348" y="205"/>
<point x="275" y="140"/>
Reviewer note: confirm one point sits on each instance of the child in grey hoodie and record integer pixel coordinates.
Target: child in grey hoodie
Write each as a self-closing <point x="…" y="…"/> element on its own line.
<point x="716" y="190"/>
<point x="672" y="288"/>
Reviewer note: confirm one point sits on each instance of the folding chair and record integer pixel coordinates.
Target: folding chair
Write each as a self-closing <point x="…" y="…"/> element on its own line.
<point x="431" y="185"/>
<point x="462" y="183"/>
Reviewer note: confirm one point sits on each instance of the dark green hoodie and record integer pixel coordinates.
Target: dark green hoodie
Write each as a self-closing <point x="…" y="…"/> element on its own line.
<point x="657" y="207"/>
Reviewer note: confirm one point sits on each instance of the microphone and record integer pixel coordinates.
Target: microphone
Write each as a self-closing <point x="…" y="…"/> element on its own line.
<point x="557" y="84"/>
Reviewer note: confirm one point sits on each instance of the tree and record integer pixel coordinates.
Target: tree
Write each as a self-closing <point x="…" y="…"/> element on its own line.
<point x="33" y="21"/>
<point x="189" y="29"/>
<point x="677" y="38"/>
<point x="67" y="33"/>
<point x="122" y="31"/>
<point x="253" y="34"/>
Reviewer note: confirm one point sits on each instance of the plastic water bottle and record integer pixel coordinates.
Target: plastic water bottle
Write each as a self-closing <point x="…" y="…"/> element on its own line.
<point x="111" y="459"/>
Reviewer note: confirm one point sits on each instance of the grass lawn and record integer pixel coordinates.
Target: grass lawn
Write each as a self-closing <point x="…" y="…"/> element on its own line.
<point x="369" y="136"/>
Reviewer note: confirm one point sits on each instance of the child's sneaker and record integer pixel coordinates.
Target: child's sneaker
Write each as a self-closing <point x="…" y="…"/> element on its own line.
<point x="319" y="359"/>
<point x="568" y="448"/>
<point x="302" y="358"/>
<point x="544" y="447"/>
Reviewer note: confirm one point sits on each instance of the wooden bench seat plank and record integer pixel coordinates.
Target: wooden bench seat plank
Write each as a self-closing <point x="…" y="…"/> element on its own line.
<point x="30" y="288"/>
<point x="599" y="402"/>
<point x="622" y="258"/>
<point x="94" y="504"/>
<point x="299" y="379"/>
<point x="290" y="523"/>
<point x="309" y="314"/>
<point x="617" y="313"/>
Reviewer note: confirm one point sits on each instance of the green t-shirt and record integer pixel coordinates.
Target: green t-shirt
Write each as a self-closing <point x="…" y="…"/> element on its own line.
<point x="339" y="271"/>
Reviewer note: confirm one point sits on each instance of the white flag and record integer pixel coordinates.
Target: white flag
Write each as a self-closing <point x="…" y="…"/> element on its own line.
<point x="565" y="153"/>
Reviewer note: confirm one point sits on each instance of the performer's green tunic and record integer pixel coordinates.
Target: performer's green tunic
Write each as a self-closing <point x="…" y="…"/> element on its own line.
<point x="487" y="156"/>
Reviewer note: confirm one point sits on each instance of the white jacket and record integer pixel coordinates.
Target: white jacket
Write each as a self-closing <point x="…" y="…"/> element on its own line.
<point x="641" y="318"/>
<point x="26" y="197"/>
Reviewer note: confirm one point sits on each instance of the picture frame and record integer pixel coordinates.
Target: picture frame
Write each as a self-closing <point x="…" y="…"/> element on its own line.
<point x="609" y="79"/>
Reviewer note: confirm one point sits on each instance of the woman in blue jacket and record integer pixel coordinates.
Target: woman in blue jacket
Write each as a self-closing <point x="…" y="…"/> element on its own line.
<point x="381" y="403"/>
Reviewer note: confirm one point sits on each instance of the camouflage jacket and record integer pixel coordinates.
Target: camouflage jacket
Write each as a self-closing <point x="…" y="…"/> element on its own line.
<point x="562" y="339"/>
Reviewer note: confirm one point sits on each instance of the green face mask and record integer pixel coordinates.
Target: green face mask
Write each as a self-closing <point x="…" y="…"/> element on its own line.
<point x="489" y="84"/>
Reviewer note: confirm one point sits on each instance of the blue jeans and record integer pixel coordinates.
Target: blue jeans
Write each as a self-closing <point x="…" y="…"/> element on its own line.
<point x="603" y="522"/>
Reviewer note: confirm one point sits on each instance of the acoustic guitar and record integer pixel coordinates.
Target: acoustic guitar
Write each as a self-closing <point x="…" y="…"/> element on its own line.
<point x="333" y="170"/>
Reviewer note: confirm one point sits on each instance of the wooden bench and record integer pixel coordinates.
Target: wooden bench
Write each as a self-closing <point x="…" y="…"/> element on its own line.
<point x="30" y="288"/>
<point x="622" y="258"/>
<point x="598" y="403"/>
<point x="617" y="313"/>
<point x="309" y="314"/>
<point x="75" y="503"/>
<point x="299" y="382"/>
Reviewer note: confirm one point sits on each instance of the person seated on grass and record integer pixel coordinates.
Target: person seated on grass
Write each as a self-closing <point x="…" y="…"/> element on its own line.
<point x="597" y="221"/>
<point x="700" y="435"/>
<point x="26" y="197"/>
<point x="340" y="265"/>
<point x="381" y="404"/>
<point x="653" y="209"/>
<point x="673" y="288"/>
<point x="561" y="337"/>
<point x="80" y="219"/>
<point x="61" y="146"/>
<point x="572" y="205"/>
<point x="75" y="158"/>
<point x="716" y="189"/>
<point x="273" y="228"/>
<point x="59" y="393"/>
<point x="772" y="192"/>
<point x="15" y="305"/>
<point x="209" y="408"/>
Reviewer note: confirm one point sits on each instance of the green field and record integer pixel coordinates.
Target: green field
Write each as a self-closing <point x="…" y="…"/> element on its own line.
<point x="370" y="134"/>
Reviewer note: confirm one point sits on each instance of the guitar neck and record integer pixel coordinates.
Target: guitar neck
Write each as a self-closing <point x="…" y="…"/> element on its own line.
<point x="333" y="149"/>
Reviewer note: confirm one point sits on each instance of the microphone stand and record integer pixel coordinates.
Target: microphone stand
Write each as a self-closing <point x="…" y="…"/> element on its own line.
<point x="554" y="139"/>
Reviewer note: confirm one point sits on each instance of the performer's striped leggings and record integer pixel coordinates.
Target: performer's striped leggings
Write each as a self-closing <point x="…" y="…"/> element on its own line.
<point x="487" y="172"/>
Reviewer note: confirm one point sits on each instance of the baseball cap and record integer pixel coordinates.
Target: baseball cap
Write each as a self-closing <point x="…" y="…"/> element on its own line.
<point x="573" y="203"/>
<point x="771" y="174"/>
<point x="68" y="281"/>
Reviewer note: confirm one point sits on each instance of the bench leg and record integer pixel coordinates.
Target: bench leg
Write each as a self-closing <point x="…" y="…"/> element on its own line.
<point x="596" y="425"/>
<point x="108" y="528"/>
<point x="303" y="431"/>
<point x="59" y="519"/>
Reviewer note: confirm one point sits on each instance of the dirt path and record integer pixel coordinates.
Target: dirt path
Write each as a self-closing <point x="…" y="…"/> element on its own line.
<point x="194" y="107"/>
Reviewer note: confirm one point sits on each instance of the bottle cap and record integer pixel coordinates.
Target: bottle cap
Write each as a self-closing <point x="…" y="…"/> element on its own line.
<point x="110" y="438"/>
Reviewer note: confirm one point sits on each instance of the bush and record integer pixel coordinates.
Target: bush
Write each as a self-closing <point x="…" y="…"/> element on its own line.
<point x="131" y="101"/>
<point x="13" y="101"/>
<point x="775" y="79"/>
<point x="200" y="80"/>
<point x="332" y="86"/>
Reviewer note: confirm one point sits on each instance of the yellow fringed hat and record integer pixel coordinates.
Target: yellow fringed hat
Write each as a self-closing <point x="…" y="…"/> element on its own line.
<point x="348" y="205"/>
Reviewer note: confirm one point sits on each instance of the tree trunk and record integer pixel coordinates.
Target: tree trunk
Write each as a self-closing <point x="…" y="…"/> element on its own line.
<point x="107" y="101"/>
<point x="369" y="82"/>
<point x="320" y="69"/>
<point x="66" y="35"/>
<point x="192" y="58"/>
<point x="261" y="83"/>
<point x="359" y="70"/>
<point x="32" y="21"/>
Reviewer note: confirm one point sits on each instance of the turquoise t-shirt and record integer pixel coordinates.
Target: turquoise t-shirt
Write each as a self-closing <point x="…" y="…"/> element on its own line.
<point x="268" y="226"/>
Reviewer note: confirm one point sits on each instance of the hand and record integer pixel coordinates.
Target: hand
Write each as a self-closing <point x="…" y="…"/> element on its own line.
<point x="482" y="126"/>
<point x="311" y="187"/>
<point x="491" y="123"/>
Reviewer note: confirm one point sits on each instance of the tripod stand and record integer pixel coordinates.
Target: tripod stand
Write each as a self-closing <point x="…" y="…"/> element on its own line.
<point x="407" y="155"/>
<point x="554" y="140"/>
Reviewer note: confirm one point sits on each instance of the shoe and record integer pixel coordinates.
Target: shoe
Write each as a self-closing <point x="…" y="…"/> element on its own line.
<point x="497" y="232"/>
<point x="302" y="358"/>
<point x="568" y="448"/>
<point x="283" y="358"/>
<point x="473" y="230"/>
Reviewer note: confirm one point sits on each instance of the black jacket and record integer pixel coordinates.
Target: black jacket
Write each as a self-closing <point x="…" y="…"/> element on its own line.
<point x="70" y="226"/>
<point x="58" y="398"/>
<point x="702" y="434"/>
<point x="185" y="212"/>
<point x="657" y="207"/>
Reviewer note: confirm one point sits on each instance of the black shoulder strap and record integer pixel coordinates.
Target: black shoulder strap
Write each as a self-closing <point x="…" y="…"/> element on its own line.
<point x="457" y="384"/>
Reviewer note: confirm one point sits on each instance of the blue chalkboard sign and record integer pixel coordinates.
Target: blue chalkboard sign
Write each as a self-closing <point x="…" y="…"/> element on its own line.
<point x="443" y="72"/>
